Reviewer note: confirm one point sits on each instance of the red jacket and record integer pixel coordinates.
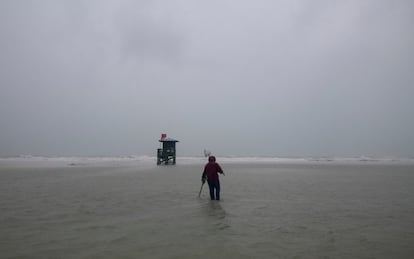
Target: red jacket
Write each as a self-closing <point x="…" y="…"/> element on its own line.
<point x="211" y="169"/>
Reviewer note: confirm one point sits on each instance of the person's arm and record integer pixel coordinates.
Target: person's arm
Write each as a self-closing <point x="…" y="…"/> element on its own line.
<point x="220" y="170"/>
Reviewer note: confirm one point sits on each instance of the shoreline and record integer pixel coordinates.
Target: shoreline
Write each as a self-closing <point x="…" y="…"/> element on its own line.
<point x="148" y="161"/>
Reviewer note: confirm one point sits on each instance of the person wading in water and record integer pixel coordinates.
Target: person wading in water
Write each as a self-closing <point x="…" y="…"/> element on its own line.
<point x="210" y="174"/>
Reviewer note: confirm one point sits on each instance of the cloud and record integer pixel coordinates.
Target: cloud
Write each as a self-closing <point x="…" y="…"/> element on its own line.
<point x="275" y="78"/>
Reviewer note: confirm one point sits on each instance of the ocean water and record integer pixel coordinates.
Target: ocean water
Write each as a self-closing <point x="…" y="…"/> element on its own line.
<point x="130" y="209"/>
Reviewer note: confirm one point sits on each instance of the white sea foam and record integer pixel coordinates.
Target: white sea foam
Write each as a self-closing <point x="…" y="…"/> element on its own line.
<point x="149" y="160"/>
<point x="79" y="160"/>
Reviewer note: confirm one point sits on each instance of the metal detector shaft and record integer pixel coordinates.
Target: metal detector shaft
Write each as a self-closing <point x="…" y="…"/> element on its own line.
<point x="201" y="188"/>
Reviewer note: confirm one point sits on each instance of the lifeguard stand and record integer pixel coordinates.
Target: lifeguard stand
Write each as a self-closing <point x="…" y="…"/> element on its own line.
<point x="167" y="152"/>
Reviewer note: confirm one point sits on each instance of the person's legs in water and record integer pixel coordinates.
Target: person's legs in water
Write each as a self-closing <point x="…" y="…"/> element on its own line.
<point x="211" y="187"/>
<point x="214" y="186"/>
<point x="218" y="190"/>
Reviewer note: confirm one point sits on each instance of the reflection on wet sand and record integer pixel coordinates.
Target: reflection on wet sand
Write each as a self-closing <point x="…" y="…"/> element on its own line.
<point x="215" y="215"/>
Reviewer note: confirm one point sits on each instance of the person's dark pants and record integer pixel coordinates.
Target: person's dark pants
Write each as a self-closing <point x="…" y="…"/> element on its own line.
<point x="214" y="186"/>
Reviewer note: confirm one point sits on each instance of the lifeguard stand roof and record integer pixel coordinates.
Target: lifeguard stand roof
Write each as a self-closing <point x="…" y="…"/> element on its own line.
<point x="168" y="140"/>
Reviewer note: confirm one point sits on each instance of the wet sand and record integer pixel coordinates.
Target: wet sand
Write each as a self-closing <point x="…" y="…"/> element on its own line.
<point x="314" y="210"/>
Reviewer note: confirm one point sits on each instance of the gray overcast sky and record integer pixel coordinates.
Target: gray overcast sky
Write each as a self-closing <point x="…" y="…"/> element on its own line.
<point x="277" y="78"/>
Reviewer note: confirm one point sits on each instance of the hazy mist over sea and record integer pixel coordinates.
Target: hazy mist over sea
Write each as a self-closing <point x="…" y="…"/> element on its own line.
<point x="263" y="78"/>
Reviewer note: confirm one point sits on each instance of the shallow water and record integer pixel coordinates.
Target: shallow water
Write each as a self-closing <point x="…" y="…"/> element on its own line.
<point x="266" y="211"/>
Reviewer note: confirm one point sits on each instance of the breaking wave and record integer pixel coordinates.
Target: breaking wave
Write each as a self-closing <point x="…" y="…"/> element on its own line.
<point x="122" y="160"/>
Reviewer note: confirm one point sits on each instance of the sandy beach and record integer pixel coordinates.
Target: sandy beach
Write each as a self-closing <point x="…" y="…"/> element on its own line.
<point x="268" y="210"/>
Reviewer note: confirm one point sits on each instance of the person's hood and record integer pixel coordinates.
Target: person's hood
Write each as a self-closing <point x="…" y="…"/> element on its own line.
<point x="211" y="159"/>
